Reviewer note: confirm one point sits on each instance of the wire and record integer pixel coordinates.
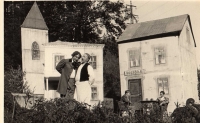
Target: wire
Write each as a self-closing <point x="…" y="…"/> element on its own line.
<point x="143" y="4"/>
<point x="154" y="9"/>
<point x="171" y="8"/>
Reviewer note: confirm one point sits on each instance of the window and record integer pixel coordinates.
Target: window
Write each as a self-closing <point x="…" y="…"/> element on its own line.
<point x="134" y="58"/>
<point x="94" y="95"/>
<point x="93" y="62"/>
<point x="163" y="85"/>
<point x="160" y="55"/>
<point x="35" y="51"/>
<point x="58" y="58"/>
<point x="187" y="34"/>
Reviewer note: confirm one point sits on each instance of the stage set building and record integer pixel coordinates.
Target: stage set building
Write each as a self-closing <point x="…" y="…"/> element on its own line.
<point x="40" y="57"/>
<point x="156" y="56"/>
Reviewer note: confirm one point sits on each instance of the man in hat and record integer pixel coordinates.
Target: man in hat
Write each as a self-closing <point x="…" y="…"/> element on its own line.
<point x="67" y="68"/>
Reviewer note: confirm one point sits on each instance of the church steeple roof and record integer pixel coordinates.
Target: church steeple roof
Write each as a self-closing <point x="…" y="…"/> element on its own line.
<point x="34" y="19"/>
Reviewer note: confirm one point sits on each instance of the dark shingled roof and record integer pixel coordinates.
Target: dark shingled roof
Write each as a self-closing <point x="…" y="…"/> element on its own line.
<point x="154" y="29"/>
<point x="34" y="19"/>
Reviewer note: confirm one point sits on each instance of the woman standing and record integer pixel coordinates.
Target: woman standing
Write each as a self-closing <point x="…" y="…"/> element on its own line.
<point x="163" y="103"/>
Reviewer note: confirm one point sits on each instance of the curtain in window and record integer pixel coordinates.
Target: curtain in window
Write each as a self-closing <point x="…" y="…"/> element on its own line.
<point x="159" y="55"/>
<point x="134" y="58"/>
<point x="163" y="85"/>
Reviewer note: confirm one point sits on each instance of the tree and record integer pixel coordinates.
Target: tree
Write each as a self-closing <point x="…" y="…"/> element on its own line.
<point x="72" y="21"/>
<point x="14" y="15"/>
<point x="82" y="21"/>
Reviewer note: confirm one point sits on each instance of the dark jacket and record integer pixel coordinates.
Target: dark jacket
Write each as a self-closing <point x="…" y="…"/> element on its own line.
<point x="126" y="100"/>
<point x="64" y="67"/>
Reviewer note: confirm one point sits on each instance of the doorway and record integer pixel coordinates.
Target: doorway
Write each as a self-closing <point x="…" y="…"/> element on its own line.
<point x="134" y="85"/>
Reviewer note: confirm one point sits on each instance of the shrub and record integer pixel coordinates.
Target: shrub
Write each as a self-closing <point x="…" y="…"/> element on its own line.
<point x="61" y="110"/>
<point x="13" y="83"/>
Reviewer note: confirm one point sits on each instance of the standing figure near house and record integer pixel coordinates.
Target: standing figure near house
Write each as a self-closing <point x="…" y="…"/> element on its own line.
<point x="67" y="68"/>
<point x="84" y="80"/>
<point x="126" y="100"/>
<point x="163" y="103"/>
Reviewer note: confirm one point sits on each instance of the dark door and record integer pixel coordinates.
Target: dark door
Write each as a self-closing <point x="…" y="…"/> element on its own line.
<point x="135" y="88"/>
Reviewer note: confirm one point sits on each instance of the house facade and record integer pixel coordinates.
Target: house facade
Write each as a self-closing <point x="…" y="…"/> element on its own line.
<point x="159" y="56"/>
<point x="39" y="57"/>
<point x="56" y="51"/>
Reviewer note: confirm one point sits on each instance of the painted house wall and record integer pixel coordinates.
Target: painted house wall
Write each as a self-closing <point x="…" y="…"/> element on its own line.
<point x="34" y="68"/>
<point x="188" y="64"/>
<point x="171" y="69"/>
<point x="67" y="50"/>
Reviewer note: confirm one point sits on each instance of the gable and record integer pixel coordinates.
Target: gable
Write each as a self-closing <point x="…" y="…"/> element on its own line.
<point x="34" y="19"/>
<point x="154" y="29"/>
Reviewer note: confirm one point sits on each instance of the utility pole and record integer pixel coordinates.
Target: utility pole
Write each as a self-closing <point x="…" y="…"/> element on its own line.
<point x="131" y="13"/>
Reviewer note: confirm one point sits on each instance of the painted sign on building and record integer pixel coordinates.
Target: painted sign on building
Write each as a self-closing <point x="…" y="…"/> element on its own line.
<point x="134" y="72"/>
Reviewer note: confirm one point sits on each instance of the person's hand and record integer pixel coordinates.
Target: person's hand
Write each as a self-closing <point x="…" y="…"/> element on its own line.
<point x="90" y="82"/>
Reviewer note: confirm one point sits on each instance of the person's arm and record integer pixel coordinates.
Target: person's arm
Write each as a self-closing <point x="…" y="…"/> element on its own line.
<point x="60" y="65"/>
<point x="166" y="100"/>
<point x="91" y="74"/>
<point x="125" y="99"/>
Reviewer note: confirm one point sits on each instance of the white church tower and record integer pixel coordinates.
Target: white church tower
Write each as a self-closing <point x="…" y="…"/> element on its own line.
<point x="34" y="33"/>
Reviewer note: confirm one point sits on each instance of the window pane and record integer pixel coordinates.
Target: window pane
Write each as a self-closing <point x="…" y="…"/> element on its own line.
<point x="94" y="58"/>
<point x="94" y="89"/>
<point x="94" y="96"/>
<point x="160" y="55"/>
<point x="35" y="46"/>
<point x="58" y="58"/>
<point x="130" y="55"/>
<point x="160" y="85"/>
<point x="94" y="65"/>
<point x="166" y="86"/>
<point x="35" y="54"/>
<point x="61" y="57"/>
<point x="163" y="85"/>
<point x="134" y="58"/>
<point x="94" y="93"/>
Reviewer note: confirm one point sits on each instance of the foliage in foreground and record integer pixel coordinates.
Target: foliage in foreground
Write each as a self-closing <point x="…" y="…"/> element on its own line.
<point x="61" y="110"/>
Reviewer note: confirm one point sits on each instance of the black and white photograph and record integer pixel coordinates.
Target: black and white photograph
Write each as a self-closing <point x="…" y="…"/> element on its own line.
<point x="109" y="61"/>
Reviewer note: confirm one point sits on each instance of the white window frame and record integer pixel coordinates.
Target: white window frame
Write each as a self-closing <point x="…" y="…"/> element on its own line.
<point x="162" y="86"/>
<point x="54" y="59"/>
<point x="93" y="61"/>
<point x="94" y="93"/>
<point x="136" y="62"/>
<point x="160" y="55"/>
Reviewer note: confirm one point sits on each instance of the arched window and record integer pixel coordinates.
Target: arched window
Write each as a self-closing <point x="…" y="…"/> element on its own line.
<point x="35" y="51"/>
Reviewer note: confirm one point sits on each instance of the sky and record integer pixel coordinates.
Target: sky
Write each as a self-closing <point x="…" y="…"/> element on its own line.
<point x="151" y="10"/>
